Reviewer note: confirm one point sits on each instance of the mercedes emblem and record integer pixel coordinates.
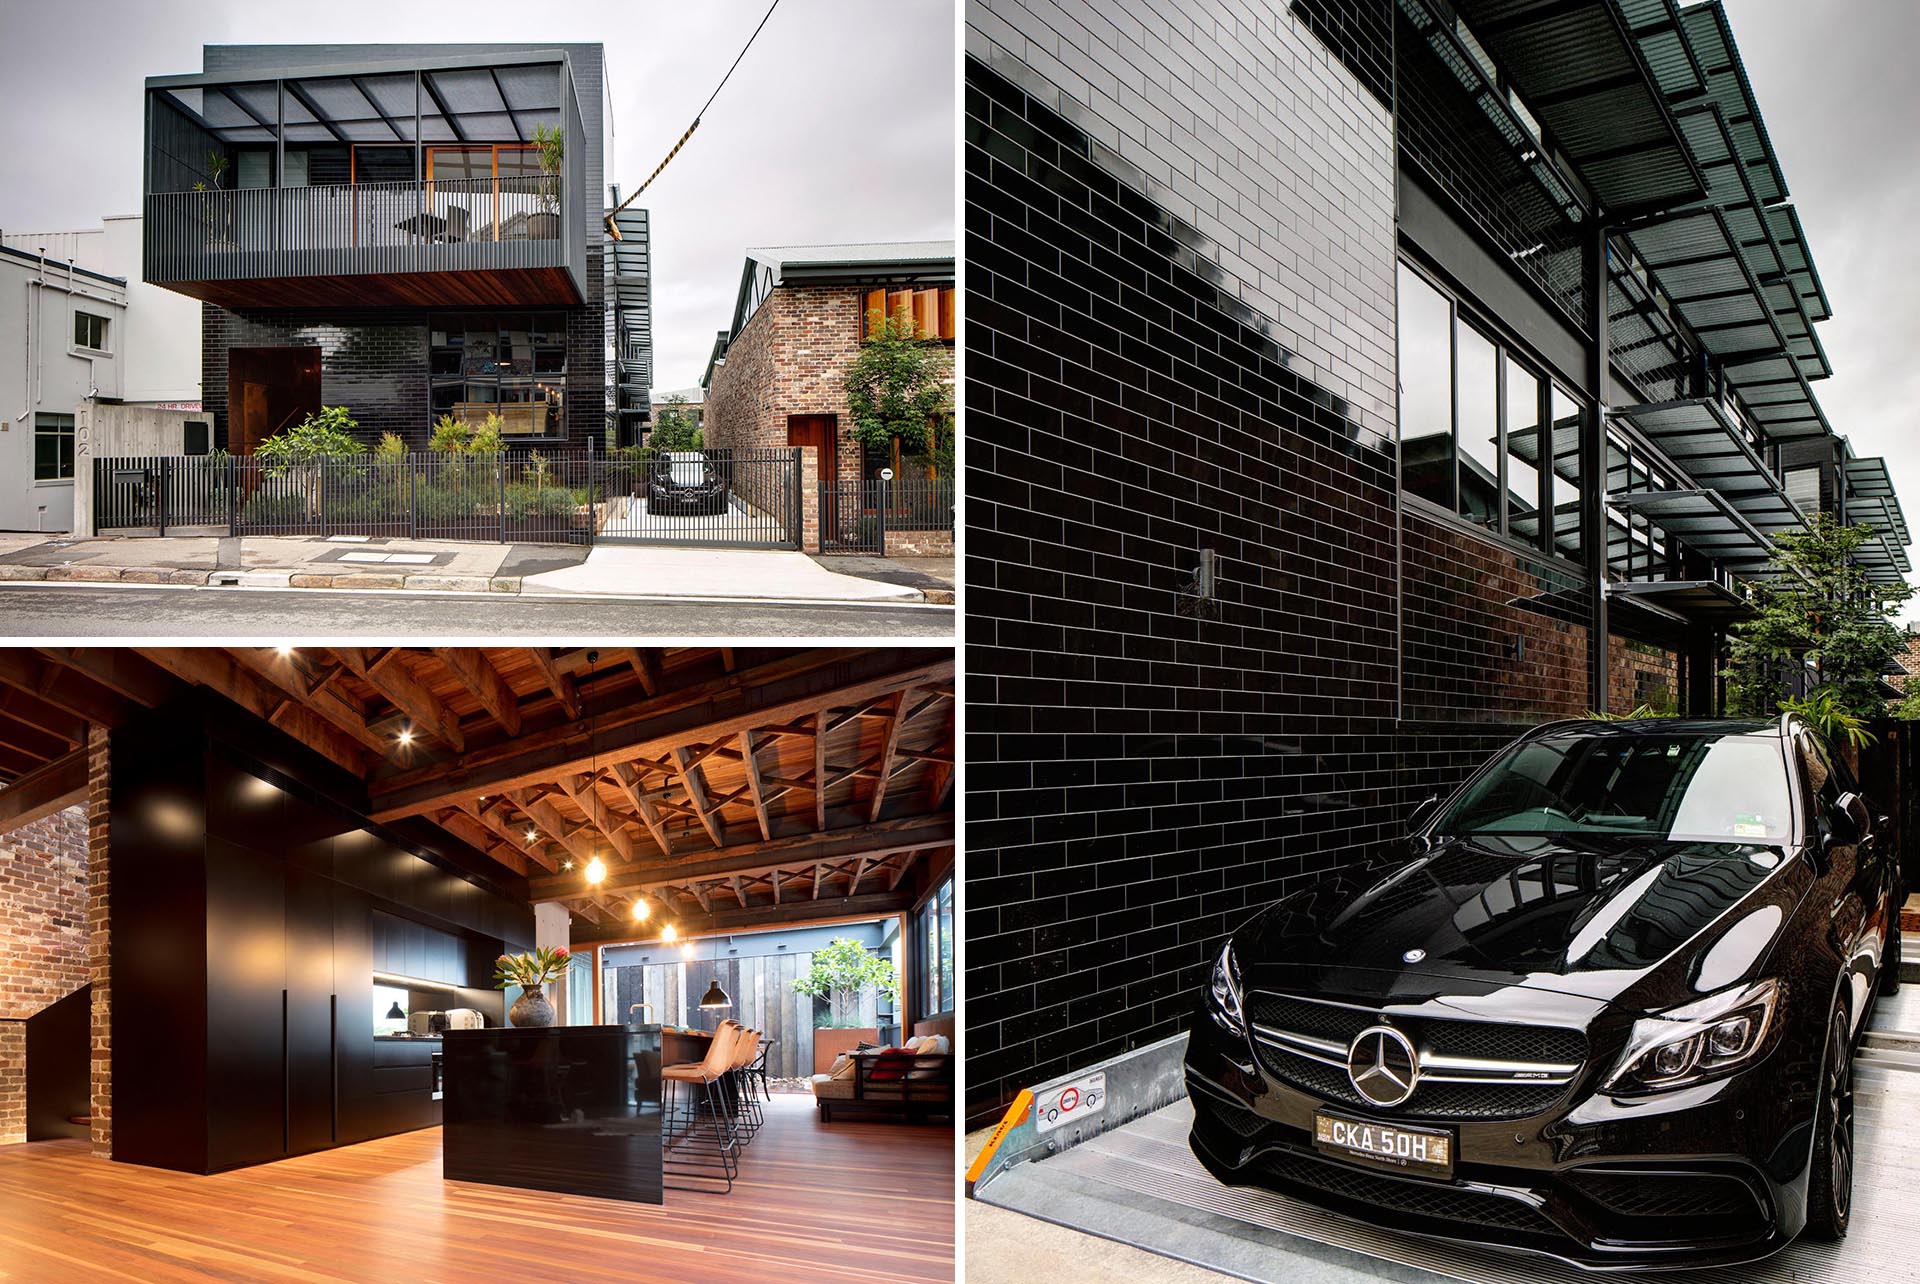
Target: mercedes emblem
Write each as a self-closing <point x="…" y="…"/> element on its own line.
<point x="1382" y="1066"/>
<point x="1413" y="956"/>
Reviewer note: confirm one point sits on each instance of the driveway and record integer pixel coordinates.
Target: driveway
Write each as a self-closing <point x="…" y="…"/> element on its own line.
<point x="713" y="573"/>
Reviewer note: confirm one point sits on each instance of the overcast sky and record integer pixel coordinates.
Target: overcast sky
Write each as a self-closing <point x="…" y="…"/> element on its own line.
<point x="839" y="125"/>
<point x="1837" y="86"/>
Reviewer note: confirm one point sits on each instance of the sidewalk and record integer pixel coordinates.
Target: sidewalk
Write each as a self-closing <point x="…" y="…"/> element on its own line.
<point x="338" y="562"/>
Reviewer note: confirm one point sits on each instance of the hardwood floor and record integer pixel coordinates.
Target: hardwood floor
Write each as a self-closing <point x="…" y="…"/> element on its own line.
<point x="840" y="1202"/>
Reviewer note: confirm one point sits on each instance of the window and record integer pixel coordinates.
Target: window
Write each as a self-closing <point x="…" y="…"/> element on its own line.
<point x="89" y="331"/>
<point x="196" y="438"/>
<point x="510" y="364"/>
<point x="53" y="447"/>
<point x="931" y="310"/>
<point x="1482" y="433"/>
<point x="933" y="954"/>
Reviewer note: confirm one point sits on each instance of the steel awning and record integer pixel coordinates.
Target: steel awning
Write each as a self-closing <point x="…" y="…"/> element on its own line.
<point x="1700" y="438"/>
<point x="1705" y="521"/>
<point x="1711" y="39"/>
<point x="1699" y="264"/>
<point x="1580" y="71"/>
<point x="1690" y="601"/>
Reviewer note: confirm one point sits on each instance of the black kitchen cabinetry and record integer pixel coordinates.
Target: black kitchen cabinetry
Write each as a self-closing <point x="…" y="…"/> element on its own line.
<point x="249" y="918"/>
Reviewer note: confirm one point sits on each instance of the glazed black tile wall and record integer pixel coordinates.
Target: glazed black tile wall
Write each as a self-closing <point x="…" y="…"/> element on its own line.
<point x="1172" y="346"/>
<point x="1181" y="254"/>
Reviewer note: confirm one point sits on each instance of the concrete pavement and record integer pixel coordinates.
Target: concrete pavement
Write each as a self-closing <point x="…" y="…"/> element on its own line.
<point x="357" y="563"/>
<point x="127" y="611"/>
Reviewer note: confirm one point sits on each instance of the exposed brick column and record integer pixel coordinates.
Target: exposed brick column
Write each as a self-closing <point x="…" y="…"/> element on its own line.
<point x="13" y="1082"/>
<point x="809" y="499"/>
<point x="101" y="1106"/>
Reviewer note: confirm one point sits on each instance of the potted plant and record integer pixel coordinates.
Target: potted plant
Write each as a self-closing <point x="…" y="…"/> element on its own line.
<point x="842" y="974"/>
<point x="545" y="225"/>
<point x="531" y="972"/>
<point x="211" y="210"/>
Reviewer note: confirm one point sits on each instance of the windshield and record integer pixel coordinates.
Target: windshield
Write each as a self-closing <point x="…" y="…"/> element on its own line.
<point x="1695" y="786"/>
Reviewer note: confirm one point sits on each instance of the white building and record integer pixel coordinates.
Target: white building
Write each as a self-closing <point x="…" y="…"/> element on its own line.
<point x="81" y="334"/>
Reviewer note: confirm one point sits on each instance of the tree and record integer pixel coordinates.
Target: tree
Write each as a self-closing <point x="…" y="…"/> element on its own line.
<point x="1820" y="610"/>
<point x="673" y="428"/>
<point x="897" y="385"/>
<point x="328" y="433"/>
<point x="842" y="972"/>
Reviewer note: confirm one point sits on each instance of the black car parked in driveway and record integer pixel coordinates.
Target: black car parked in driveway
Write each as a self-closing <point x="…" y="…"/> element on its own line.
<point x="1603" y="1006"/>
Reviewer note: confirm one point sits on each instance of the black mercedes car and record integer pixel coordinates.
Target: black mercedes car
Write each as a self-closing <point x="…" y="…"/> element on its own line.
<point x="1601" y="1004"/>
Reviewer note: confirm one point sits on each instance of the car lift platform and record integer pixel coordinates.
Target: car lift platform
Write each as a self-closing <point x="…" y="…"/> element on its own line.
<point x="1123" y="1172"/>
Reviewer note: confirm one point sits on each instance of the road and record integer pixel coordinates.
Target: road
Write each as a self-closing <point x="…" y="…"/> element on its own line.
<point x="124" y="612"/>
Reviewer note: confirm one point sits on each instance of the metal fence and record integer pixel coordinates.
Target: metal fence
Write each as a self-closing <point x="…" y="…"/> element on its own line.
<point x="855" y="516"/>
<point x="419" y="495"/>
<point x="736" y="498"/>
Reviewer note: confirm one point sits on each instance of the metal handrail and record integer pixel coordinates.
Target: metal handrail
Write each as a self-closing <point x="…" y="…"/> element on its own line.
<point x="409" y="223"/>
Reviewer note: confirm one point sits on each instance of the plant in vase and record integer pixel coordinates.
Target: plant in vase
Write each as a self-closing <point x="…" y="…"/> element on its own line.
<point x="545" y="225"/>
<point x="531" y="972"/>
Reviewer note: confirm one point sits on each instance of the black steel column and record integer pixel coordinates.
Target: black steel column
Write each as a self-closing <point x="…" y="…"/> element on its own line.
<point x="1593" y="468"/>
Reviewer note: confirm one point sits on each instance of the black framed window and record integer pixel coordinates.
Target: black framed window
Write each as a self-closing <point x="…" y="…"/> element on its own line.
<point x="1483" y="433"/>
<point x="89" y="331"/>
<point x="510" y="364"/>
<point x="53" y="447"/>
<point x="933" y="990"/>
<point x="196" y="439"/>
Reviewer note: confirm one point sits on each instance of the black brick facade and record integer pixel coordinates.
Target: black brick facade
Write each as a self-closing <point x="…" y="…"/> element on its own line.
<point x="374" y="362"/>
<point x="1180" y="316"/>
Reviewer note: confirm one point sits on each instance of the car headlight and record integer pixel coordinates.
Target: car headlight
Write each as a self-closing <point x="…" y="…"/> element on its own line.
<point x="1223" y="993"/>
<point x="1701" y="1040"/>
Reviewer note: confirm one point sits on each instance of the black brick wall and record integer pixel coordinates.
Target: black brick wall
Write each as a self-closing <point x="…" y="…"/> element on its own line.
<point x="1180" y="336"/>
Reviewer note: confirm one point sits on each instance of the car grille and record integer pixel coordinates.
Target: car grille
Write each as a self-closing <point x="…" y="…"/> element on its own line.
<point x="1484" y="1040"/>
<point x="1436" y="1200"/>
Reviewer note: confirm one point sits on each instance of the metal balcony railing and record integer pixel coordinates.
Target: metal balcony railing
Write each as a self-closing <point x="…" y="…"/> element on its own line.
<point x="441" y="225"/>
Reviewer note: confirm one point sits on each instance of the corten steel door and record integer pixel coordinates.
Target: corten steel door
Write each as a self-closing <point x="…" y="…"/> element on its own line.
<point x="734" y="498"/>
<point x="822" y="432"/>
<point x="268" y="391"/>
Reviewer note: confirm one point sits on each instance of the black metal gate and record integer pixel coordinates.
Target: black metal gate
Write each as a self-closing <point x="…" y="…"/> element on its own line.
<point x="855" y="516"/>
<point x="730" y="498"/>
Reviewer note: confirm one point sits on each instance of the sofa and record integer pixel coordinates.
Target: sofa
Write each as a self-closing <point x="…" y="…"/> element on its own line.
<point x="914" y="1082"/>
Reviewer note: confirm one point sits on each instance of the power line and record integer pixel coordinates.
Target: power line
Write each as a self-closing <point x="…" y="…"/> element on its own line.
<point x="675" y="149"/>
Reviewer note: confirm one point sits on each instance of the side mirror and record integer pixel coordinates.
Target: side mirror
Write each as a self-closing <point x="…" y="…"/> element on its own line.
<point x="1853" y="822"/>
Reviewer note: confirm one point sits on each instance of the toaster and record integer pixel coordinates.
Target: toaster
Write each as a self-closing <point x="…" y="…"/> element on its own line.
<point x="466" y="1019"/>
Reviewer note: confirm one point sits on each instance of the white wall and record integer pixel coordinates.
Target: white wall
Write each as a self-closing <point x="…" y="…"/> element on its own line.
<point x="47" y="375"/>
<point x="161" y="356"/>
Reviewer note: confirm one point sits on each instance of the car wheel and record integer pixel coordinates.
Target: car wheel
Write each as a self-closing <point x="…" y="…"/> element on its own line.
<point x="1830" y="1193"/>
<point x="1890" y="959"/>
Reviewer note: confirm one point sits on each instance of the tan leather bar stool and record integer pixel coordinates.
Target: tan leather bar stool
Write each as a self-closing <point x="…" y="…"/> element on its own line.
<point x="715" y="1155"/>
<point x="746" y="1111"/>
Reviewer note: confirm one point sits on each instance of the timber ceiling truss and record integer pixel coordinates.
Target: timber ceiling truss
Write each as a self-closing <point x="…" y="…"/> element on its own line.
<point x="718" y="787"/>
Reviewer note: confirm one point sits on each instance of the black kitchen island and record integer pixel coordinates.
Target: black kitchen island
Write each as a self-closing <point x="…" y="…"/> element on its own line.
<point x="565" y="1108"/>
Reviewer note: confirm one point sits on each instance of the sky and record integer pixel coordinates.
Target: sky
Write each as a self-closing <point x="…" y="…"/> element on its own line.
<point x="838" y="126"/>
<point x="1841" y="100"/>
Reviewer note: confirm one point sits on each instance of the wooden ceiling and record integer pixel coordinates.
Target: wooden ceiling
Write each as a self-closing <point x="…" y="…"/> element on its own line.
<point x="719" y="787"/>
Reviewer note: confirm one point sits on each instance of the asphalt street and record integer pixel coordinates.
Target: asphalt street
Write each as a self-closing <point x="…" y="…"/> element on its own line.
<point x="87" y="611"/>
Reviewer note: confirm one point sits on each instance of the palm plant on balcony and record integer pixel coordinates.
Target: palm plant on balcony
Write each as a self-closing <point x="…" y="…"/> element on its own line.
<point x="545" y="226"/>
<point x="212" y="220"/>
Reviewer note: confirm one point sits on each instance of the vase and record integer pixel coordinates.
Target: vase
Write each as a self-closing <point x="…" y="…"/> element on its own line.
<point x="532" y="1008"/>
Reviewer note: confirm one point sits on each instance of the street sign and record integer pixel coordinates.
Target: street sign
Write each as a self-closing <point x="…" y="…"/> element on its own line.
<point x="1070" y="1102"/>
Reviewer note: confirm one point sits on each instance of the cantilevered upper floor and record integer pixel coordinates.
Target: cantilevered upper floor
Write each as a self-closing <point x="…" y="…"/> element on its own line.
<point x="375" y="175"/>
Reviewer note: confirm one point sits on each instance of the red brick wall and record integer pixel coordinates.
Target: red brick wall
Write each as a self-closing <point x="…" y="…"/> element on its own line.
<point x="43" y="941"/>
<point x="791" y="358"/>
<point x="1638" y="676"/>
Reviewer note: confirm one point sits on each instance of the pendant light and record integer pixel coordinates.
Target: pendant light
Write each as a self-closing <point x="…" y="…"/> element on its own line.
<point x="715" y="998"/>
<point x="394" y="1013"/>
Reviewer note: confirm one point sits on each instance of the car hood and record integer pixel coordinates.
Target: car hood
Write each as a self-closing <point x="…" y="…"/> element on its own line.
<point x="1590" y="917"/>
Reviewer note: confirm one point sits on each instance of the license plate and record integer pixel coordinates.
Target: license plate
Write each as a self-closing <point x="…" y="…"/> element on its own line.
<point x="1425" y="1151"/>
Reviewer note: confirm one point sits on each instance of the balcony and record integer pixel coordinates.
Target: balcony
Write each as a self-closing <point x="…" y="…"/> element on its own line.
<point x="374" y="185"/>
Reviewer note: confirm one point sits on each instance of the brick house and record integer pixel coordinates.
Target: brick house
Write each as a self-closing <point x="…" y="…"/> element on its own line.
<point x="776" y="375"/>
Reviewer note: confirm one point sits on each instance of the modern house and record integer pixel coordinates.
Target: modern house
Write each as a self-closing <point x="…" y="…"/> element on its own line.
<point x="252" y="900"/>
<point x="381" y="227"/>
<point x="777" y="373"/>
<point x="692" y="403"/>
<point x="1444" y="368"/>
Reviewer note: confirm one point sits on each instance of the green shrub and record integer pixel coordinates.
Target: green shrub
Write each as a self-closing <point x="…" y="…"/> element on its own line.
<point x="328" y="433"/>
<point x="272" y="508"/>
<point x="524" y="501"/>
<point x="457" y="437"/>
